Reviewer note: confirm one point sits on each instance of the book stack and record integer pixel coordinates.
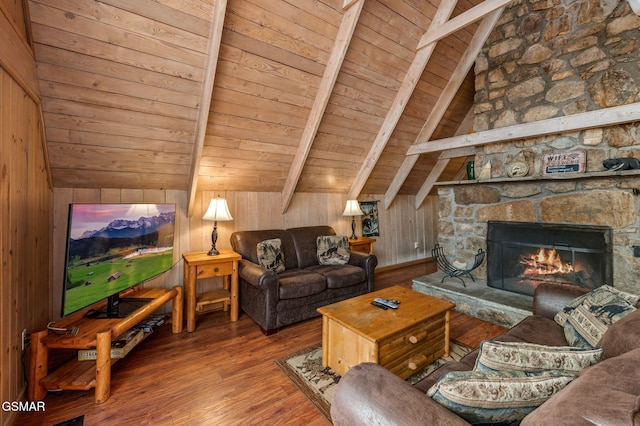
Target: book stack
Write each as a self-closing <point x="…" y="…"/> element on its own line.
<point x="151" y="322"/>
<point x="120" y="346"/>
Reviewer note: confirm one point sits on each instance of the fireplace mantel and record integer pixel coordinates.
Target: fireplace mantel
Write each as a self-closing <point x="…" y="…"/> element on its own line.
<point x="559" y="176"/>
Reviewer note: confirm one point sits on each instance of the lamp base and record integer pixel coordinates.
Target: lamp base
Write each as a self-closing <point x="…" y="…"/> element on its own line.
<point x="353" y="228"/>
<point x="214" y="237"/>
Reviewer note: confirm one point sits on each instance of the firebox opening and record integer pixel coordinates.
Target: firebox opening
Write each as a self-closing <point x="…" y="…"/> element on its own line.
<point x="521" y="255"/>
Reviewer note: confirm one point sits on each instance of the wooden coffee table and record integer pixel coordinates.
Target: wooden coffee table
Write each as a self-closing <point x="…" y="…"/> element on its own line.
<point x="403" y="340"/>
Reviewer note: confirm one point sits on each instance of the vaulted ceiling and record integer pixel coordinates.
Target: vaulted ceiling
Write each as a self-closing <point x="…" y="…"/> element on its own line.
<point x="256" y="95"/>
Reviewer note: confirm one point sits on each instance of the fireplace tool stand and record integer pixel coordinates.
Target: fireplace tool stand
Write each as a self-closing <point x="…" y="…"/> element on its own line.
<point x="451" y="271"/>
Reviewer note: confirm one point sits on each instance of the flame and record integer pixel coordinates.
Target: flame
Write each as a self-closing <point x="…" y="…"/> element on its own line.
<point x="545" y="262"/>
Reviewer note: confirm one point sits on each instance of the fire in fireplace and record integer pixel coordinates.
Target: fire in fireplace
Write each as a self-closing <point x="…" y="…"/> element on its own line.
<point x="521" y="255"/>
<point x="546" y="263"/>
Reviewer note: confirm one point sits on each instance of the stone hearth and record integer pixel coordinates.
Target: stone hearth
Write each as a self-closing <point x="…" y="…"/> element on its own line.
<point x="477" y="299"/>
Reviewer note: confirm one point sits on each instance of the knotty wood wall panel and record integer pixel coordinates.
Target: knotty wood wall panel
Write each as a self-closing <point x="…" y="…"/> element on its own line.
<point x="25" y="221"/>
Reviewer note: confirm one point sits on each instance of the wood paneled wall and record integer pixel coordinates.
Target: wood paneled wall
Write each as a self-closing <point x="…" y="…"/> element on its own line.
<point x="26" y="202"/>
<point x="400" y="226"/>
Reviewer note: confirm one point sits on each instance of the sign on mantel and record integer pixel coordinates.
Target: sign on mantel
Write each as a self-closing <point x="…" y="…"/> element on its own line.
<point x="564" y="162"/>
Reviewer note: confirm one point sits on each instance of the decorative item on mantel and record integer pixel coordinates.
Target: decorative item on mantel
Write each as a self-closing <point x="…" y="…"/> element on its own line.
<point x="517" y="169"/>
<point x="218" y="211"/>
<point x="615" y="164"/>
<point x="471" y="173"/>
<point x="458" y="267"/>
<point x="352" y="209"/>
<point x="564" y="162"/>
<point x="485" y="173"/>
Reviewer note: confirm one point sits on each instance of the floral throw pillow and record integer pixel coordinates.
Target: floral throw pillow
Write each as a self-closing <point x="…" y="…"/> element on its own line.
<point x="497" y="397"/>
<point x="522" y="356"/>
<point x="270" y="255"/>
<point x="333" y="250"/>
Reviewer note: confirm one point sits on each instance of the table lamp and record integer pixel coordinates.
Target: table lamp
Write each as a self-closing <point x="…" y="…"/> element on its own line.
<point x="353" y="209"/>
<point x="218" y="211"/>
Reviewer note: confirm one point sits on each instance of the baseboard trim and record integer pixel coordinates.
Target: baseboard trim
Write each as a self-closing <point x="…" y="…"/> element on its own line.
<point x="397" y="266"/>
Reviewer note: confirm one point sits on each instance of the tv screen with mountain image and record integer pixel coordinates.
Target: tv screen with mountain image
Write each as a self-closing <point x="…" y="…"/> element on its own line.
<point x="112" y="247"/>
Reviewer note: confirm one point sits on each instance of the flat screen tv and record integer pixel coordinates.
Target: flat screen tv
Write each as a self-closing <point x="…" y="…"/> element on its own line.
<point x="112" y="247"/>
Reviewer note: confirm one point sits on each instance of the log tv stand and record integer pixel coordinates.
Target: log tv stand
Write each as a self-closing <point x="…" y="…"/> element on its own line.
<point x="93" y="332"/>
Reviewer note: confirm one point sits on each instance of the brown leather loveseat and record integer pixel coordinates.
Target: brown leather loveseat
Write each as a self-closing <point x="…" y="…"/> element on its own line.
<point x="275" y="299"/>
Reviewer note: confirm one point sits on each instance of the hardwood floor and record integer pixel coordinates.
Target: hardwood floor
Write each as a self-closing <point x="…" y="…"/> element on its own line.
<point x="222" y="374"/>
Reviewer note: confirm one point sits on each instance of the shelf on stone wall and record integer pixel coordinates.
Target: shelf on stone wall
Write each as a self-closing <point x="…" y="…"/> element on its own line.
<point x="552" y="177"/>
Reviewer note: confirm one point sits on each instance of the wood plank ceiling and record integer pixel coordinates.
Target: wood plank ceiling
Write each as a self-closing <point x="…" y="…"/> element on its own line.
<point x="254" y="95"/>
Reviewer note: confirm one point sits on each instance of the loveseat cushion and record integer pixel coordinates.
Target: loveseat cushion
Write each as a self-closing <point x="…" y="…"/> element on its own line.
<point x="305" y="242"/>
<point x="536" y="329"/>
<point x="607" y="393"/>
<point x="295" y="283"/>
<point x="497" y="397"/>
<point x="340" y="276"/>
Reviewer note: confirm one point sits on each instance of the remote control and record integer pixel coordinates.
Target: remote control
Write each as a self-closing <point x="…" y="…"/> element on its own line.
<point x="393" y="304"/>
<point x="379" y="305"/>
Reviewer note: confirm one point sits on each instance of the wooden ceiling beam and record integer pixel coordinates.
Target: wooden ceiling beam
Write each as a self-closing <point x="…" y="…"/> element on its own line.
<point x="583" y="121"/>
<point x="338" y="52"/>
<point x="215" y="37"/>
<point x="445" y="157"/>
<point x="455" y="81"/>
<point x="472" y="15"/>
<point x="348" y="3"/>
<point x="407" y="87"/>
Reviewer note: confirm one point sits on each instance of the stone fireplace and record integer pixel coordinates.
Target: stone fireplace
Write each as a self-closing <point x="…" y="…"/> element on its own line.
<point x="547" y="59"/>
<point x="520" y="256"/>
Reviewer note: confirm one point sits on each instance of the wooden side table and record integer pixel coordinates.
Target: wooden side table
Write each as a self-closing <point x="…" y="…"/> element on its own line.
<point x="199" y="265"/>
<point x="362" y="244"/>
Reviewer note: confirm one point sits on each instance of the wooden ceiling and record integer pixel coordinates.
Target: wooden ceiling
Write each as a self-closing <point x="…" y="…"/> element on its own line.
<point x="256" y="95"/>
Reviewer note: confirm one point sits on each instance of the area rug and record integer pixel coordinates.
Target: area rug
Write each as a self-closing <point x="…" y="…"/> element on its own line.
<point x="304" y="368"/>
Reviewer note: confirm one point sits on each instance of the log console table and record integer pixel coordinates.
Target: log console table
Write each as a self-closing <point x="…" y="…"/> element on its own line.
<point x="93" y="332"/>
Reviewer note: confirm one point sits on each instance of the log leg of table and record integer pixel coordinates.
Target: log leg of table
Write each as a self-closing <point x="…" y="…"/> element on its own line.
<point x="325" y="341"/>
<point x="38" y="365"/>
<point x="447" y="316"/>
<point x="176" y="311"/>
<point x="234" y="292"/>
<point x="103" y="366"/>
<point x="190" y="296"/>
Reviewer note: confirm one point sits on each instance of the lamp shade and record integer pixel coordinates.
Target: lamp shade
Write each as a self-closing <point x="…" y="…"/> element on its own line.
<point x="635" y="6"/>
<point x="218" y="211"/>
<point x="352" y="209"/>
